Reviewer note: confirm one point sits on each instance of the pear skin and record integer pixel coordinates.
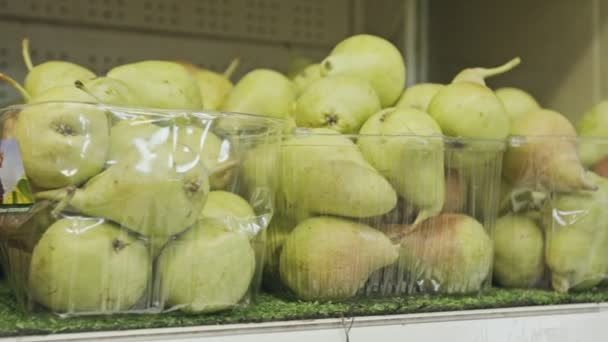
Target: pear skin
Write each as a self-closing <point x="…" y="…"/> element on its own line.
<point x="371" y="58"/>
<point x="53" y="74"/>
<point x="112" y="92"/>
<point x="207" y="269"/>
<point x="593" y="124"/>
<point x="449" y="253"/>
<point x="577" y="236"/>
<point x="516" y="101"/>
<point x="414" y="166"/>
<point x="306" y="77"/>
<point x="518" y="252"/>
<point x="342" y="103"/>
<point x="551" y="162"/>
<point x="222" y="205"/>
<point x="327" y="258"/>
<point x="87" y="265"/>
<point x="419" y="96"/>
<point x="160" y="84"/>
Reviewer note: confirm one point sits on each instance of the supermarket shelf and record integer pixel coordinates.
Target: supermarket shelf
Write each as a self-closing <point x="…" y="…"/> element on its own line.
<point x="567" y="323"/>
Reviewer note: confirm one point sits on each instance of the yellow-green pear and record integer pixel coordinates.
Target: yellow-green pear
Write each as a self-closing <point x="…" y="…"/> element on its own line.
<point x="576" y="227"/>
<point x="86" y="265"/>
<point x="543" y="152"/>
<point x="297" y="64"/>
<point x="406" y="146"/>
<point x="342" y="103"/>
<point x="372" y="58"/>
<point x="208" y="268"/>
<point x="467" y="108"/>
<point x="224" y="205"/>
<point x="324" y="172"/>
<point x="160" y="84"/>
<point x="449" y="253"/>
<point x="518" y="252"/>
<point x="262" y="92"/>
<point x="419" y="96"/>
<point x="214" y="87"/>
<point x="62" y="144"/>
<point x="306" y="77"/>
<point x="516" y="101"/>
<point x="51" y="74"/>
<point x="327" y="258"/>
<point x="111" y="91"/>
<point x="593" y="124"/>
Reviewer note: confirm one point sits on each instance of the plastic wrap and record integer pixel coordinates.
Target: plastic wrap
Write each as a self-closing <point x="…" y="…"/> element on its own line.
<point x="371" y="215"/>
<point x="553" y="230"/>
<point x="115" y="210"/>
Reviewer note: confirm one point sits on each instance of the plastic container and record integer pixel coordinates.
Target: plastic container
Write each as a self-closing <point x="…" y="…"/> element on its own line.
<point x="118" y="210"/>
<point x="364" y="215"/>
<point x="553" y="226"/>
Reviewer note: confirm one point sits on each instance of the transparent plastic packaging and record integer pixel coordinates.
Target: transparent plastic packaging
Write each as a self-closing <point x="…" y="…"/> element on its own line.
<point x="134" y="210"/>
<point x="371" y="215"/>
<point x="553" y="229"/>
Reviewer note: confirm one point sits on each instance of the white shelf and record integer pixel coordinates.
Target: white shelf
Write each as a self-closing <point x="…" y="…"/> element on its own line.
<point x="560" y="323"/>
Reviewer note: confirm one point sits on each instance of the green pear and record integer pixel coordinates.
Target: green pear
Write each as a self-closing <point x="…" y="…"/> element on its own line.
<point x="111" y="91"/>
<point x="126" y="135"/>
<point x="277" y="232"/>
<point x="342" y="103"/>
<point x="593" y="124"/>
<point x="62" y="144"/>
<point x="577" y="237"/>
<point x="160" y="84"/>
<point x="397" y="148"/>
<point x="208" y="268"/>
<point x="419" y="96"/>
<point x="214" y="87"/>
<point x="324" y="172"/>
<point x="155" y="191"/>
<point x="517" y="102"/>
<point x="371" y="58"/>
<point x="543" y="152"/>
<point x="51" y="74"/>
<point x="449" y="253"/>
<point x="259" y="170"/>
<point x="306" y="77"/>
<point x="327" y="258"/>
<point x="297" y="64"/>
<point x="262" y="92"/>
<point x="518" y="252"/>
<point x="222" y="205"/>
<point x="87" y="265"/>
<point x="467" y="108"/>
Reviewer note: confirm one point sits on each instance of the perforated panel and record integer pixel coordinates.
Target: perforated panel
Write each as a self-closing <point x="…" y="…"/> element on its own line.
<point x="316" y="22"/>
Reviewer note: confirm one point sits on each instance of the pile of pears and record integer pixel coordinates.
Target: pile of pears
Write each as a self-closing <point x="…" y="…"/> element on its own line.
<point x="142" y="189"/>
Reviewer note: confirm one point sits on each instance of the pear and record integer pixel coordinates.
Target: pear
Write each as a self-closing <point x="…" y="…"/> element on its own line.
<point x="214" y="87"/>
<point x="158" y="190"/>
<point x="543" y="152"/>
<point x="324" y="172"/>
<point x="126" y="135"/>
<point x="593" y="125"/>
<point x="306" y="77"/>
<point x="601" y="168"/>
<point x="110" y="91"/>
<point x="327" y="258"/>
<point x="62" y="144"/>
<point x="208" y="268"/>
<point x="160" y="84"/>
<point x="262" y="92"/>
<point x="467" y="108"/>
<point x="51" y="74"/>
<point x="449" y="253"/>
<point x="577" y="236"/>
<point x="86" y="265"/>
<point x="371" y="58"/>
<point x="518" y="252"/>
<point x="419" y="96"/>
<point x="340" y="102"/>
<point x="456" y="186"/>
<point x="297" y="64"/>
<point x="413" y="164"/>
<point x="224" y="205"/>
<point x="277" y="232"/>
<point x="517" y="102"/>
<point x="259" y="170"/>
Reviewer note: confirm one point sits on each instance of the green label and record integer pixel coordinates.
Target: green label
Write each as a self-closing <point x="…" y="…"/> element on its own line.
<point x="15" y="189"/>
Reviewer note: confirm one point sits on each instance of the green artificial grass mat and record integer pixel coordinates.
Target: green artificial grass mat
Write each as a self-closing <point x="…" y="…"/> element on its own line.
<point x="271" y="308"/>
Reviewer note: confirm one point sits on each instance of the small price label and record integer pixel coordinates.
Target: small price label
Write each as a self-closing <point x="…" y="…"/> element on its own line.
<point x="15" y="190"/>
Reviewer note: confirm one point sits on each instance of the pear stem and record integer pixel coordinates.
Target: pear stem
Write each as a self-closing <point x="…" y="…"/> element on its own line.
<point x="25" y="50"/>
<point x="84" y="88"/>
<point x="478" y="75"/>
<point x="232" y="67"/>
<point x="26" y="96"/>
